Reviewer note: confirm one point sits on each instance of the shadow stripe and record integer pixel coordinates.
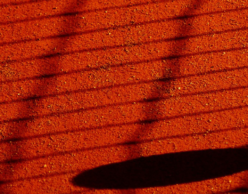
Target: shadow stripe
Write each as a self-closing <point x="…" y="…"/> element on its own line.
<point x="121" y="124"/>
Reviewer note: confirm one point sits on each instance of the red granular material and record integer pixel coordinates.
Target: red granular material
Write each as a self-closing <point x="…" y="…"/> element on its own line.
<point x="86" y="84"/>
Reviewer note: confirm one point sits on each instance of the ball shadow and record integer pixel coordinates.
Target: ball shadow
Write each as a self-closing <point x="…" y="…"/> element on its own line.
<point x="166" y="169"/>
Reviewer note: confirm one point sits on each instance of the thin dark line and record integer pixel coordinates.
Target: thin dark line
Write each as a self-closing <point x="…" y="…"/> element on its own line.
<point x="110" y="105"/>
<point x="21" y="3"/>
<point x="128" y="142"/>
<point x="35" y="97"/>
<point x="39" y="176"/>
<point x="117" y="27"/>
<point x="119" y="7"/>
<point x="116" y="104"/>
<point x="121" y="64"/>
<point x="126" y="45"/>
<point x="85" y="11"/>
<point x="74" y="13"/>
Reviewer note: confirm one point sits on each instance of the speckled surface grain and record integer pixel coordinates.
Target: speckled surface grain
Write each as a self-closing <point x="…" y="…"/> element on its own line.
<point x="89" y="85"/>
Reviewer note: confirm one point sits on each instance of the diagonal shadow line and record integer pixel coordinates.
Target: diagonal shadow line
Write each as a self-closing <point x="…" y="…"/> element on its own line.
<point x="124" y="144"/>
<point x="17" y="149"/>
<point x="143" y="180"/>
<point x="22" y="3"/>
<point x="114" y="125"/>
<point x="126" y="123"/>
<point x="73" y="13"/>
<point x="85" y="70"/>
<point x="178" y="38"/>
<point x="38" y="177"/>
<point x="150" y="121"/>
<point x="117" y="27"/>
<point x="35" y="97"/>
<point x="156" y="99"/>
<point x="174" y="70"/>
<point x="127" y="6"/>
<point x="118" y="104"/>
<point x="118" y="65"/>
<point x="81" y="12"/>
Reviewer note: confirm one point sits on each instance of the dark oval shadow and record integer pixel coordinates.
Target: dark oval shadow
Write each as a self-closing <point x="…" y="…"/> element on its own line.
<point x="166" y="169"/>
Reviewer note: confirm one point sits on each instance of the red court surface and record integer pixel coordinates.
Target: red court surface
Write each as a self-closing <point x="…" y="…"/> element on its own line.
<point x="123" y="96"/>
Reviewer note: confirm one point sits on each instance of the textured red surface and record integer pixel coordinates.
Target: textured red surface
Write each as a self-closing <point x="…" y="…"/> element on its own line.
<point x="80" y="79"/>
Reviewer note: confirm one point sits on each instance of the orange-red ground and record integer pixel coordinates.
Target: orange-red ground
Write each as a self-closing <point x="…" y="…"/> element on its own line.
<point x="80" y="79"/>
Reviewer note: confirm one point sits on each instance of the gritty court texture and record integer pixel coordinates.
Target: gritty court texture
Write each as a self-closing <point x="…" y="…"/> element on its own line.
<point x="123" y="96"/>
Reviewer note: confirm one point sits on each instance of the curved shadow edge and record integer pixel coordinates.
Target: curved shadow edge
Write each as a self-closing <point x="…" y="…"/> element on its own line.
<point x="166" y="169"/>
